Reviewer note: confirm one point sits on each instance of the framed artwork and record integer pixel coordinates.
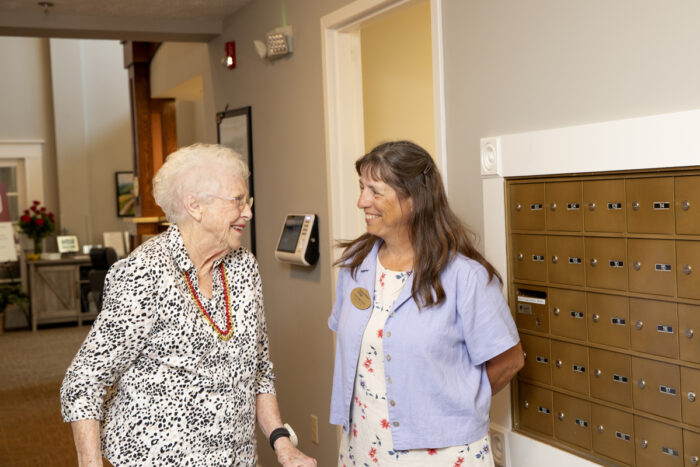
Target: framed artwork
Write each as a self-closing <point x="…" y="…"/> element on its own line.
<point x="125" y="194"/>
<point x="67" y="243"/>
<point x="234" y="130"/>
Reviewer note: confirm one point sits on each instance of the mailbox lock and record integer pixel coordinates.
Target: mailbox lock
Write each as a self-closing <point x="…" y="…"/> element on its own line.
<point x="596" y="317"/>
<point x="691" y="396"/>
<point x="642" y="384"/>
<point x="639" y="324"/>
<point x="520" y="256"/>
<point x="644" y="443"/>
<point x="594" y="261"/>
<point x="694" y="460"/>
<point x="600" y="429"/>
<point x="591" y="206"/>
<point x="687" y="269"/>
<point x="637" y="265"/>
<point x="518" y="207"/>
<point x="556" y="312"/>
<point x="560" y="416"/>
<point x="555" y="259"/>
<point x="689" y="333"/>
<point x="685" y="204"/>
<point x="597" y="373"/>
<point x="559" y="363"/>
<point x="635" y="205"/>
<point x="526" y="404"/>
<point x="554" y="206"/>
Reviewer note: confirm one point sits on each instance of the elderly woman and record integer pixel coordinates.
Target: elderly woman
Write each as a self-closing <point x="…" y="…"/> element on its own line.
<point x="176" y="367"/>
<point x="425" y="336"/>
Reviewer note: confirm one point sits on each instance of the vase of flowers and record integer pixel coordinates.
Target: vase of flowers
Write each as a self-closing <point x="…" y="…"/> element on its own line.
<point x="37" y="223"/>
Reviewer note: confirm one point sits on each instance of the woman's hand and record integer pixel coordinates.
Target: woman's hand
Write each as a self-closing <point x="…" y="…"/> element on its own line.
<point x="289" y="456"/>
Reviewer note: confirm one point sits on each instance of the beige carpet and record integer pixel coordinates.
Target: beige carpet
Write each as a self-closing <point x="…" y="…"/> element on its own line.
<point x="31" y="369"/>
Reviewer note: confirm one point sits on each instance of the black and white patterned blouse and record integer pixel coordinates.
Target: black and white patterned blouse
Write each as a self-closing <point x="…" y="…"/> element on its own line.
<point x="178" y="394"/>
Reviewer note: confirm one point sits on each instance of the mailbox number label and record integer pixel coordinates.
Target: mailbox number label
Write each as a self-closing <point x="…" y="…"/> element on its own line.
<point x="579" y="368"/>
<point x="524" y="308"/>
<point x="622" y="436"/>
<point x="541" y="359"/>
<point x="665" y="329"/>
<point x="667" y="390"/>
<point x="573" y="206"/>
<point x="619" y="378"/>
<point x="669" y="451"/>
<point x="616" y="263"/>
<point x="577" y="314"/>
<point x="543" y="410"/>
<point x="536" y="207"/>
<point x="582" y="423"/>
<point x="662" y="205"/>
<point x="614" y="206"/>
<point x="538" y="257"/>
<point x="618" y="321"/>
<point x="574" y="260"/>
<point x="662" y="267"/>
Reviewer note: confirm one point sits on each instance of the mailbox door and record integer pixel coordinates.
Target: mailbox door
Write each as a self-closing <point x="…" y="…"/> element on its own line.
<point x="650" y="205"/>
<point x="652" y="266"/>
<point x="531" y="308"/>
<point x="572" y="420"/>
<point x="529" y="257"/>
<point x="527" y="206"/>
<point x="657" y="444"/>
<point x="606" y="263"/>
<point x="654" y="327"/>
<point x="535" y="406"/>
<point x="570" y="366"/>
<point x="656" y="388"/>
<point x="608" y="319"/>
<point x="604" y="205"/>
<point x="563" y="206"/>
<point x="611" y="376"/>
<point x="537" y="358"/>
<point x="565" y="260"/>
<point x="613" y="433"/>
<point x="688" y="205"/>
<point x="688" y="269"/>
<point x="690" y="395"/>
<point x="688" y="329"/>
<point x="567" y="313"/>
<point x="691" y="448"/>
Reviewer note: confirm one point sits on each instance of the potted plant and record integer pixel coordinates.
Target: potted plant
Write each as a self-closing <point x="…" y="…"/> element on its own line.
<point x="37" y="223"/>
<point x="10" y="294"/>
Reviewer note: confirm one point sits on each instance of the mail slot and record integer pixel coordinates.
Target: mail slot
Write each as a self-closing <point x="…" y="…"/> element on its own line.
<point x="572" y="420"/>
<point x="567" y="313"/>
<point x="688" y="205"/>
<point x="537" y="358"/>
<point x="570" y="366"/>
<point x="527" y="206"/>
<point x="531" y="308"/>
<point x="604" y="205"/>
<point x="690" y="390"/>
<point x="688" y="328"/>
<point x="656" y="388"/>
<point x="654" y="327"/>
<point x="650" y="205"/>
<point x="611" y="376"/>
<point x="657" y="444"/>
<point x="652" y="266"/>
<point x="608" y="319"/>
<point x="535" y="408"/>
<point x="529" y="257"/>
<point x="613" y="433"/>
<point x="606" y="263"/>
<point x="688" y="269"/>
<point x="565" y="260"/>
<point x="563" y="206"/>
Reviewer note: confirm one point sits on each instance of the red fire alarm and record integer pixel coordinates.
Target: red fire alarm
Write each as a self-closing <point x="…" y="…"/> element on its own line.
<point x="231" y="55"/>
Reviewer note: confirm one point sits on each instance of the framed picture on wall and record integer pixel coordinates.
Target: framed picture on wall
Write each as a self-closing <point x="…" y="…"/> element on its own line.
<point x="234" y="131"/>
<point x="125" y="194"/>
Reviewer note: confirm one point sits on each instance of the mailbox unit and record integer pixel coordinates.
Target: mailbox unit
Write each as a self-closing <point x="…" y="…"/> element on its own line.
<point x="605" y="288"/>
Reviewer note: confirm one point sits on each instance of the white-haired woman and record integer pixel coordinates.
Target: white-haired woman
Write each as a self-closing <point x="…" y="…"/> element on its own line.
<point x="176" y="367"/>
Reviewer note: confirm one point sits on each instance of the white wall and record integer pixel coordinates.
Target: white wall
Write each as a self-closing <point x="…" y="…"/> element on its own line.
<point x="26" y="105"/>
<point x="93" y="134"/>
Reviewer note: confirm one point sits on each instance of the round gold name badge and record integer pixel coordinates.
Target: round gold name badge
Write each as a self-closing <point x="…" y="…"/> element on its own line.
<point x="360" y="298"/>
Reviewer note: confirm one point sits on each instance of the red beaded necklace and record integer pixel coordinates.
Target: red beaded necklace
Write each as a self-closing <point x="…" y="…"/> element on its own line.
<point x="224" y="335"/>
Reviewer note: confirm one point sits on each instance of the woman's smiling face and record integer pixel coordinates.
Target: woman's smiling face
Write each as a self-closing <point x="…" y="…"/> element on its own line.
<point x="386" y="215"/>
<point x="222" y="219"/>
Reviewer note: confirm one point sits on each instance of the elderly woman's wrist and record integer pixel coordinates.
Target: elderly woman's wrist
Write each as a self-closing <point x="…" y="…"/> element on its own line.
<point x="282" y="444"/>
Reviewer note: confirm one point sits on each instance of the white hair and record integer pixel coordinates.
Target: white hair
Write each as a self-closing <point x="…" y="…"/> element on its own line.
<point x="195" y="169"/>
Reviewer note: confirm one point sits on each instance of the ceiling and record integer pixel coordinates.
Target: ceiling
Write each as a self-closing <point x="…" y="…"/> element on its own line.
<point x="151" y="20"/>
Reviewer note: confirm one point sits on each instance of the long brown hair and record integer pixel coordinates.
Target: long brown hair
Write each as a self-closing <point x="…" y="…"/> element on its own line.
<point x="436" y="233"/>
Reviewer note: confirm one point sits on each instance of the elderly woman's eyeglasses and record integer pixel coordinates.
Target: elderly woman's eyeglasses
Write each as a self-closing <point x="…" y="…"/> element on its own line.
<point x="240" y="201"/>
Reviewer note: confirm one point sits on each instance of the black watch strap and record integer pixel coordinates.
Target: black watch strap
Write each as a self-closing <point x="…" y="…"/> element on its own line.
<point x="276" y="434"/>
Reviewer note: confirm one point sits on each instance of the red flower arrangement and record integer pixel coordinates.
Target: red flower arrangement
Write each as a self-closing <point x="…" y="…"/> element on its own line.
<point x="37" y="222"/>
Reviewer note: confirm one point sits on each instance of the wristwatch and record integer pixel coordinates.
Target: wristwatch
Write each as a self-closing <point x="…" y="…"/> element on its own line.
<point x="284" y="430"/>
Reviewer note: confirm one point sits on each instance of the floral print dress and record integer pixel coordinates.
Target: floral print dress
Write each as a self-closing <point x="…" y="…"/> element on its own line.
<point x="369" y="442"/>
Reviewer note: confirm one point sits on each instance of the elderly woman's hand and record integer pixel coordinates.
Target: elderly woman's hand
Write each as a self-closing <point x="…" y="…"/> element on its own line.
<point x="289" y="456"/>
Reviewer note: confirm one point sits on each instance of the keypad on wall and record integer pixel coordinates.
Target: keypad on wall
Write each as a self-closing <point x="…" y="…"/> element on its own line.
<point x="605" y="287"/>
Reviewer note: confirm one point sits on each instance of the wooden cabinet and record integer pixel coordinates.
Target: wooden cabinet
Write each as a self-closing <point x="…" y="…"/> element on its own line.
<point x="56" y="291"/>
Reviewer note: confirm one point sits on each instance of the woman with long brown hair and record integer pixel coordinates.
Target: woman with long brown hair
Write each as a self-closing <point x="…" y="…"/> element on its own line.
<point x="425" y="336"/>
